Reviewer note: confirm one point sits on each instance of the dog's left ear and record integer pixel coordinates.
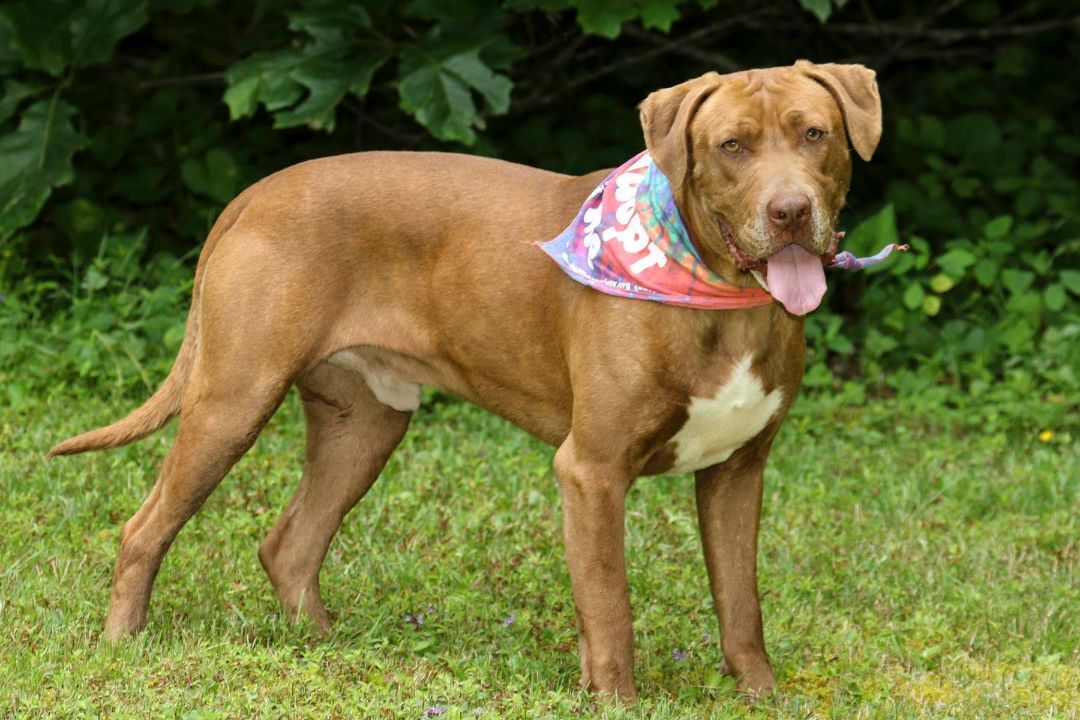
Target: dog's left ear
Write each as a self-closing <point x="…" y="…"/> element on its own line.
<point x="856" y="92"/>
<point x="665" y="120"/>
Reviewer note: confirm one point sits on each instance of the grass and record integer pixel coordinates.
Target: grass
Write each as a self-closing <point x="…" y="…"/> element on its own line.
<point x="906" y="572"/>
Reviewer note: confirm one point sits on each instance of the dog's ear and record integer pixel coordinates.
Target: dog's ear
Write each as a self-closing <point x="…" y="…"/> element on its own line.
<point x="665" y="120"/>
<point x="856" y="92"/>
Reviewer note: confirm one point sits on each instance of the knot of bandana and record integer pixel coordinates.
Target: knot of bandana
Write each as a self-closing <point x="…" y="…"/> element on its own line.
<point x="629" y="240"/>
<point x="847" y="261"/>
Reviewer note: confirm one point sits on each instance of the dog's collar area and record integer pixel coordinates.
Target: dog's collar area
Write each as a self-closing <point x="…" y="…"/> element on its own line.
<point x="629" y="240"/>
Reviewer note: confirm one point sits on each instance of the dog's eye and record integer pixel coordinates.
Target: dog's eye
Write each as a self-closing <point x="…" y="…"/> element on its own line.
<point x="815" y="134"/>
<point x="732" y="145"/>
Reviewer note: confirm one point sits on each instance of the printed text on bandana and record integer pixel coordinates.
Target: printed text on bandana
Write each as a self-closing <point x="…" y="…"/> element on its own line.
<point x="629" y="230"/>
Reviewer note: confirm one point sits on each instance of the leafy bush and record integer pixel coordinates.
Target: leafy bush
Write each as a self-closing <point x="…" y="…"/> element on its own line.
<point x="125" y="114"/>
<point x="115" y="321"/>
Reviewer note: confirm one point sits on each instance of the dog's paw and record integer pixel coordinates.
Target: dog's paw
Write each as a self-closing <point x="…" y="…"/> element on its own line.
<point x="754" y="681"/>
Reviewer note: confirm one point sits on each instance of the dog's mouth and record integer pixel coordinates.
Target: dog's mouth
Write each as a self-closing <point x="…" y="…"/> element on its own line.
<point x="743" y="259"/>
<point x="793" y="275"/>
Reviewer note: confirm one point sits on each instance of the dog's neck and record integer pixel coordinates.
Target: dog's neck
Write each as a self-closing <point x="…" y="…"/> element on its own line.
<point x="705" y="234"/>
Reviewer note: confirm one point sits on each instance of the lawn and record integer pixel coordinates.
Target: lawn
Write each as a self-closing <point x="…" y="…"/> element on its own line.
<point x="907" y="570"/>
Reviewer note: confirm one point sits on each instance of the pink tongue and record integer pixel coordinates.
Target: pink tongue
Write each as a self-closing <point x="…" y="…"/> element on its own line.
<point x="797" y="279"/>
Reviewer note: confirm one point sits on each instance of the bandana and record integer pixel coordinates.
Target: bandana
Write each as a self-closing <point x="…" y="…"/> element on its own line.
<point x="629" y="240"/>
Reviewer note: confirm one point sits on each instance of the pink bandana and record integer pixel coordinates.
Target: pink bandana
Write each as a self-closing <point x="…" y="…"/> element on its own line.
<point x="629" y="240"/>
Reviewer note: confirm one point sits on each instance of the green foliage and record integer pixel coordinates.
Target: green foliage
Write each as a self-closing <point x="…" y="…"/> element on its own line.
<point x="35" y="158"/>
<point x="120" y="323"/>
<point x="304" y="85"/>
<point x="55" y="35"/>
<point x="822" y="9"/>
<point x="119" y="115"/>
<point x="437" y="72"/>
<point x="606" y="17"/>
<point x="987" y="187"/>
<point x="438" y="92"/>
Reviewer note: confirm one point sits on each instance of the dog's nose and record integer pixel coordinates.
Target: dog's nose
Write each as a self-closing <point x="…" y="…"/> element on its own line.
<point x="788" y="211"/>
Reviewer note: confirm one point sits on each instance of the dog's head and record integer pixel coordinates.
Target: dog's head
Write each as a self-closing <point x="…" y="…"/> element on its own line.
<point x="759" y="164"/>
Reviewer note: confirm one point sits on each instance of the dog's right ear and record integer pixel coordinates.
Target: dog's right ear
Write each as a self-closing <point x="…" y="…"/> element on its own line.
<point x="665" y="120"/>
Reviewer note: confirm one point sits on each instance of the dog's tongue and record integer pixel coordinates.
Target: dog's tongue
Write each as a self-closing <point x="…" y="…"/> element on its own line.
<point x="796" y="278"/>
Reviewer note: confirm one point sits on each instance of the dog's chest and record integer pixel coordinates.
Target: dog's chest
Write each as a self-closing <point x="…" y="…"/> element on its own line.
<point x="719" y="425"/>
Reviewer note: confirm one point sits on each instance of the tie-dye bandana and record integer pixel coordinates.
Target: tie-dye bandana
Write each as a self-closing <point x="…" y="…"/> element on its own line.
<point x="629" y="240"/>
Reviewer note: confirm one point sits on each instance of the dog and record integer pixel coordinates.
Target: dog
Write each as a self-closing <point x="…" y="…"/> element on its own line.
<point x="359" y="278"/>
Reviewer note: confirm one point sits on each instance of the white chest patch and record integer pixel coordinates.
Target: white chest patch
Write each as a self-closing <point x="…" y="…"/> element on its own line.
<point x="720" y="425"/>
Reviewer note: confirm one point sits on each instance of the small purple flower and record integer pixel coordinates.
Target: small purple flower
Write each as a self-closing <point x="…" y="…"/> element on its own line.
<point x="416" y="620"/>
<point x="434" y="710"/>
<point x="678" y="654"/>
<point x="409" y="619"/>
<point x="509" y="620"/>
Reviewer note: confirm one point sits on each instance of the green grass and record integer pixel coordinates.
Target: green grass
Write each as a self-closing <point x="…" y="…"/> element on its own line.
<point x="906" y="571"/>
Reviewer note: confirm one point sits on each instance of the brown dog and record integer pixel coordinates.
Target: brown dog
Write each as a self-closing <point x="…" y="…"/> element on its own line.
<point x="361" y="277"/>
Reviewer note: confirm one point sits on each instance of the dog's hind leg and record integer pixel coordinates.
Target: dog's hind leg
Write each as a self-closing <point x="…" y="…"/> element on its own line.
<point x="247" y="356"/>
<point x="220" y="417"/>
<point x="350" y="436"/>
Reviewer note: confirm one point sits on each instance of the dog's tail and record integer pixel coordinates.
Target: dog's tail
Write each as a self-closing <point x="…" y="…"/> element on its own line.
<point x="162" y="406"/>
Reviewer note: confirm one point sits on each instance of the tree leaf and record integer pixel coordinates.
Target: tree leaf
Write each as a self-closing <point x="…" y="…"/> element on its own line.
<point x="439" y="94"/>
<point x="956" y="262"/>
<point x="100" y="24"/>
<point x="327" y="22"/>
<point x="914" y="296"/>
<point x="440" y="102"/>
<point x="986" y="272"/>
<point x="1071" y="280"/>
<point x="494" y="88"/>
<point x="1018" y="281"/>
<point x="52" y="35"/>
<point x="304" y="85"/>
<point x="659" y="14"/>
<point x="604" y="17"/>
<point x="242" y="94"/>
<point x="40" y="33"/>
<point x="931" y="305"/>
<point x="941" y="283"/>
<point x="840" y="344"/>
<point x="262" y="78"/>
<point x="998" y="227"/>
<point x="327" y="81"/>
<point x="216" y="176"/>
<point x="1027" y="303"/>
<point x="21" y="199"/>
<point x="1055" y="298"/>
<point x="14" y="93"/>
<point x="821" y="9"/>
<point x="35" y="158"/>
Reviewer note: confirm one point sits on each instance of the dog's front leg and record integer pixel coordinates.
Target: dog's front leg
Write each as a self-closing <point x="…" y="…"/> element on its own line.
<point x="593" y="494"/>
<point x="729" y="504"/>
